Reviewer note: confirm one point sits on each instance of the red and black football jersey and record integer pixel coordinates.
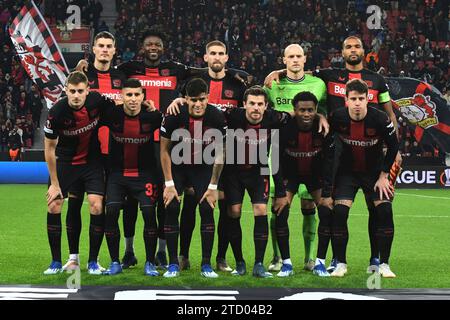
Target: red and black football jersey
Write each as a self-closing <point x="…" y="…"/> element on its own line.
<point x="193" y="136"/>
<point x="109" y="84"/>
<point x="224" y="93"/>
<point x="302" y="152"/>
<point x="362" y="141"/>
<point x="252" y="137"/>
<point x="336" y="78"/>
<point x="77" y="130"/>
<point x="160" y="84"/>
<point x="131" y="141"/>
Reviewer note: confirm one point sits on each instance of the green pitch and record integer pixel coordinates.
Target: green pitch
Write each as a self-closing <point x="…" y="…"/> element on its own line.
<point x="420" y="254"/>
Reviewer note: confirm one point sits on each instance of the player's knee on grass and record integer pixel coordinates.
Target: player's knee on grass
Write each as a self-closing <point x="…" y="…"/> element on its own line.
<point x="221" y="195"/>
<point x="189" y="191"/>
<point x="259" y="209"/>
<point x="345" y="202"/>
<point x="55" y="206"/>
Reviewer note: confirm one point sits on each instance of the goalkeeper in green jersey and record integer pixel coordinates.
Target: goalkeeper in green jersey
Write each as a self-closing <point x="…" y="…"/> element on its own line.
<point x="280" y="98"/>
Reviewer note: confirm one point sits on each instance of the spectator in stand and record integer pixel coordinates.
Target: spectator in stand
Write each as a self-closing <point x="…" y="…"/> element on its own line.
<point x="14" y="144"/>
<point x="4" y="134"/>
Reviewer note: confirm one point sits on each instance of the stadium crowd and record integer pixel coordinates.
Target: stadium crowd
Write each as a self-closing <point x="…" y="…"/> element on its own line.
<point x="413" y="41"/>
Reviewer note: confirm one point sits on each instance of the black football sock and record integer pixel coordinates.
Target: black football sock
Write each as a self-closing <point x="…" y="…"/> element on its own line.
<point x="385" y="230"/>
<point x="372" y="226"/>
<point x="207" y="229"/>
<point x="223" y="232"/>
<point x="187" y="223"/>
<point x="339" y="232"/>
<point x="96" y="232"/>
<point x="236" y="238"/>
<point x="73" y="224"/>
<point x="150" y="232"/>
<point x="172" y="229"/>
<point x="324" y="231"/>
<point x="54" y="235"/>
<point x="260" y="235"/>
<point x="282" y="230"/>
<point x="112" y="231"/>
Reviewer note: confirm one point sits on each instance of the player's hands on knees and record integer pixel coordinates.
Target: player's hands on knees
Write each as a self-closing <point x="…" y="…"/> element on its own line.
<point x="383" y="186"/>
<point x="273" y="76"/>
<point x="82" y="66"/>
<point x="279" y="204"/>
<point x="53" y="193"/>
<point x="326" y="202"/>
<point x="149" y="105"/>
<point x="324" y="126"/>
<point x="211" y="197"/>
<point x="174" y="108"/>
<point x="169" y="194"/>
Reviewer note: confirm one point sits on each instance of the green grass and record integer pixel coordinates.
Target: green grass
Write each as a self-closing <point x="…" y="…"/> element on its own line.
<point x="420" y="255"/>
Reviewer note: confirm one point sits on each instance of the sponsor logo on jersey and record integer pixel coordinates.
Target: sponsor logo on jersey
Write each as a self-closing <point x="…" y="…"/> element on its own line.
<point x="79" y="131"/>
<point x="302" y="154"/>
<point x="420" y="110"/>
<point x="159" y="82"/>
<point x="165" y="72"/>
<point x="359" y="143"/>
<point x="129" y="140"/>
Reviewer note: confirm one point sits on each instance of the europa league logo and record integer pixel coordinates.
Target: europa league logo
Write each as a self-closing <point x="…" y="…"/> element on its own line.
<point x="445" y="178"/>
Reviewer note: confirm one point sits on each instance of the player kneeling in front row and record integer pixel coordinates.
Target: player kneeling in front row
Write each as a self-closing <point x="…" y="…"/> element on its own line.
<point x="362" y="164"/>
<point x="186" y="139"/>
<point x="304" y="156"/>
<point x="131" y="167"/>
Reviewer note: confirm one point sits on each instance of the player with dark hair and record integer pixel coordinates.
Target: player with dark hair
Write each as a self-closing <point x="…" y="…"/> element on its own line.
<point x="184" y="140"/>
<point x="72" y="154"/>
<point x="131" y="167"/>
<point x="253" y="126"/>
<point x="106" y="80"/>
<point x="225" y="92"/>
<point x="305" y="156"/>
<point x="362" y="130"/>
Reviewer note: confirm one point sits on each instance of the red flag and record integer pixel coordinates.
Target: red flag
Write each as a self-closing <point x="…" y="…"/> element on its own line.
<point x="39" y="52"/>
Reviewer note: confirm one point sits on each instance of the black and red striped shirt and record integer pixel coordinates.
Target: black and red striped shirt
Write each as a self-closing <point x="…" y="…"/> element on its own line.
<point x="363" y="140"/>
<point x="109" y="84"/>
<point x="252" y="141"/>
<point x="193" y="136"/>
<point x="77" y="130"/>
<point x="224" y="93"/>
<point x="336" y="78"/>
<point x="131" y="141"/>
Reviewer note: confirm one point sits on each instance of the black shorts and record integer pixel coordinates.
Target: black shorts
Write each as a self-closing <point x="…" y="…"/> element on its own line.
<point x="86" y="177"/>
<point x="142" y="188"/>
<point x="347" y="184"/>
<point x="196" y="176"/>
<point x="312" y="183"/>
<point x="236" y="181"/>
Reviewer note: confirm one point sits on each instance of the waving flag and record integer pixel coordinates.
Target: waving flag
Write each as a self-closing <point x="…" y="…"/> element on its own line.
<point x="423" y="106"/>
<point x="39" y="52"/>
